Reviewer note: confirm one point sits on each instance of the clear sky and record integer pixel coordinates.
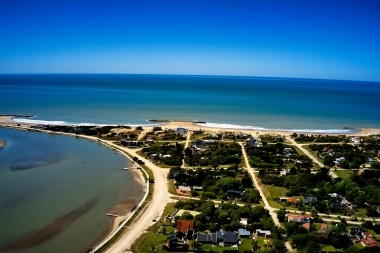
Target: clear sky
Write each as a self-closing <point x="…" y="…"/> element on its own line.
<point x="309" y="39"/>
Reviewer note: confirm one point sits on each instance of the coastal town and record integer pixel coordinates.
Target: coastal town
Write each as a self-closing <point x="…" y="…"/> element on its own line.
<point x="231" y="190"/>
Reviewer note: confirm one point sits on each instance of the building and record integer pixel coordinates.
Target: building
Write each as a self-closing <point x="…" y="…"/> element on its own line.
<point x="234" y="194"/>
<point x="299" y="218"/>
<point x="243" y="233"/>
<point x="310" y="201"/>
<point x="229" y="238"/>
<point x="184" y="189"/>
<point x="263" y="233"/>
<point x="184" y="225"/>
<point x="251" y="142"/>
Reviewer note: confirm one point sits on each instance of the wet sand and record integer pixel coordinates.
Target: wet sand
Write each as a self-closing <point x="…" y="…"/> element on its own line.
<point x="53" y="228"/>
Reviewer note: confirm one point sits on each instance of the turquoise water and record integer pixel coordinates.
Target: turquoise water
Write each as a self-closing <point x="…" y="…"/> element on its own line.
<point x="269" y="103"/>
<point x="62" y="173"/>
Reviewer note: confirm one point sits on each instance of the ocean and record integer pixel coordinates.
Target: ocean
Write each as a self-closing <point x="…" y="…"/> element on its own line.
<point x="82" y="180"/>
<point x="56" y="190"/>
<point x="325" y="106"/>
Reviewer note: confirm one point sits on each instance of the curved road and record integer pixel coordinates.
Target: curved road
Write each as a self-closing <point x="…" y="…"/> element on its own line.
<point x="153" y="210"/>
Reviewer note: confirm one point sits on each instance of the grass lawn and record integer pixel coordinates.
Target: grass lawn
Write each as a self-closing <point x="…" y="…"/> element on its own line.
<point x="359" y="245"/>
<point x="343" y="173"/>
<point x="276" y="191"/>
<point x="330" y="248"/>
<point x="362" y="213"/>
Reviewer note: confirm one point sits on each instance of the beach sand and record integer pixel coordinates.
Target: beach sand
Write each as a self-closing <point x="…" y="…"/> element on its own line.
<point x="192" y="126"/>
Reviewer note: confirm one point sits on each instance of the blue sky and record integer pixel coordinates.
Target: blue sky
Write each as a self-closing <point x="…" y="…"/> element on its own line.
<point x="307" y="39"/>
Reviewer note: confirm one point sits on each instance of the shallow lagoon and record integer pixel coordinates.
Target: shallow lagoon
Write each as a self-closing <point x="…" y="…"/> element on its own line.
<point x="62" y="182"/>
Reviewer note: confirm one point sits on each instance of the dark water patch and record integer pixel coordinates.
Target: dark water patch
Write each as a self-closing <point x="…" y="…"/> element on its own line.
<point x="27" y="163"/>
<point x="53" y="228"/>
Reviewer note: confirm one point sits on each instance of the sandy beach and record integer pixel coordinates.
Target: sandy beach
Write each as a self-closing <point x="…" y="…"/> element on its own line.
<point x="193" y="126"/>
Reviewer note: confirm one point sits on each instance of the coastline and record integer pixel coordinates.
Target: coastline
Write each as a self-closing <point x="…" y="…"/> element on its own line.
<point x="123" y="209"/>
<point x="8" y="121"/>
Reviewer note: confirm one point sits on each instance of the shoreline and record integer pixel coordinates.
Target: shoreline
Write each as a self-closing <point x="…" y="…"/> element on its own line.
<point x="8" y="121"/>
<point x="123" y="210"/>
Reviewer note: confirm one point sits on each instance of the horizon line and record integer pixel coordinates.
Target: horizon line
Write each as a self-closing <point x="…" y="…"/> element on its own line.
<point x="195" y="75"/>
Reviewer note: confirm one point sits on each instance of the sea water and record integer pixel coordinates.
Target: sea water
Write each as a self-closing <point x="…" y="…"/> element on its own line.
<point x="245" y="102"/>
<point x="44" y="177"/>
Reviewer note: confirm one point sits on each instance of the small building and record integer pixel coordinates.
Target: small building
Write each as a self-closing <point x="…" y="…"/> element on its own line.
<point x="370" y="242"/>
<point x="234" y="194"/>
<point x="251" y="142"/>
<point x="310" y="201"/>
<point x="207" y="238"/>
<point x="324" y="228"/>
<point x="176" y="238"/>
<point x="299" y="218"/>
<point x="184" y="189"/>
<point x="243" y="233"/>
<point x="197" y="188"/>
<point x="229" y="238"/>
<point x="263" y="233"/>
<point x="244" y="221"/>
<point x="181" y="130"/>
<point x="184" y="225"/>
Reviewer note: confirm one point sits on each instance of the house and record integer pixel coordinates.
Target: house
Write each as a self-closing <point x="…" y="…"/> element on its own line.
<point x="310" y="201"/>
<point x="344" y="202"/>
<point x="229" y="238"/>
<point x="244" y="221"/>
<point x="306" y="226"/>
<point x="176" y="238"/>
<point x="181" y="130"/>
<point x="284" y="172"/>
<point x="251" y="142"/>
<point x="263" y="233"/>
<point x="234" y="194"/>
<point x="299" y="218"/>
<point x="243" y="233"/>
<point x="324" y="228"/>
<point x="338" y="161"/>
<point x="184" y="189"/>
<point x="207" y="238"/>
<point x="293" y="200"/>
<point x="356" y="140"/>
<point x="369" y="242"/>
<point x="184" y="225"/>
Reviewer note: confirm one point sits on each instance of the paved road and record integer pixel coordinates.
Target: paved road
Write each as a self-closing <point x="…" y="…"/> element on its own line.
<point x="272" y="211"/>
<point x="154" y="209"/>
<point x="313" y="158"/>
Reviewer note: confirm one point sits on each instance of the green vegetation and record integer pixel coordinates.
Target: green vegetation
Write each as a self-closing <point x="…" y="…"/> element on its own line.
<point x="213" y="154"/>
<point x="216" y="183"/>
<point x="168" y="154"/>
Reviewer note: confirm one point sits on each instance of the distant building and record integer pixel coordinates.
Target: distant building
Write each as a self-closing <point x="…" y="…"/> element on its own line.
<point x="251" y="142"/>
<point x="263" y="233"/>
<point x="185" y="225"/>
<point x="181" y="130"/>
<point x="243" y="233"/>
